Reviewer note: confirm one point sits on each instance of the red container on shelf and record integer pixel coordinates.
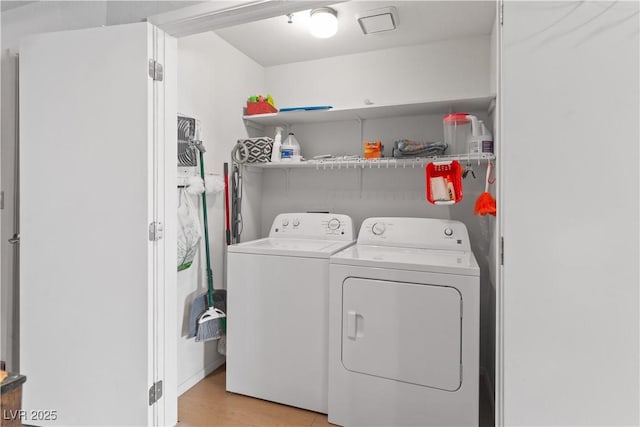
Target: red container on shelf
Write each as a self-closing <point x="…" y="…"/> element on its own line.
<point x="260" y="107"/>
<point x="444" y="182"/>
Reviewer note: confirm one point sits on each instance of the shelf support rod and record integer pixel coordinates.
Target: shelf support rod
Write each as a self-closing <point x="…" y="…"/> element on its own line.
<point x="287" y="173"/>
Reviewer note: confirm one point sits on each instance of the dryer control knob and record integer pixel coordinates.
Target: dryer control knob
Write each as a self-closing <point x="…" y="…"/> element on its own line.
<point x="285" y="222"/>
<point x="296" y="222"/>
<point x="334" y="224"/>
<point x="448" y="232"/>
<point x="378" y="228"/>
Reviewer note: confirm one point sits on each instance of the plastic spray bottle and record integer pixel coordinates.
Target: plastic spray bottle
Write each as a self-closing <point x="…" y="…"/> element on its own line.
<point x="277" y="145"/>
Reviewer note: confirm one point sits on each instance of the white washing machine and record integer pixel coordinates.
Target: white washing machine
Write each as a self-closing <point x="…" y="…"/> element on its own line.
<point x="404" y="326"/>
<point x="278" y="309"/>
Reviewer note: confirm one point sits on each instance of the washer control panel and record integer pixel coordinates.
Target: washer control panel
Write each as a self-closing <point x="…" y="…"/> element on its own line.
<point x="313" y="226"/>
<point x="426" y="233"/>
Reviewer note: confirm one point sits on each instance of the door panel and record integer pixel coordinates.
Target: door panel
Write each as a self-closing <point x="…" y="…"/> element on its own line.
<point x="88" y="269"/>
<point x="402" y="331"/>
<point x="569" y="304"/>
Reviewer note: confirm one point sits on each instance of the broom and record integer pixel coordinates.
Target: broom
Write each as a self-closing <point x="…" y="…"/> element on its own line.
<point x="486" y="204"/>
<point x="211" y="324"/>
<point x="200" y="303"/>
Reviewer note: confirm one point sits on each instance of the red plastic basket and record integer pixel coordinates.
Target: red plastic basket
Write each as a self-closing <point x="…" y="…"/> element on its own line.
<point x="444" y="182"/>
<point x="260" y="107"/>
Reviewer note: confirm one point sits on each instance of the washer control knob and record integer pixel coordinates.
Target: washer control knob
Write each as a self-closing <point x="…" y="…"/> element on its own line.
<point x="285" y="222"/>
<point x="448" y="232"/>
<point x="378" y="228"/>
<point x="296" y="222"/>
<point x="334" y="224"/>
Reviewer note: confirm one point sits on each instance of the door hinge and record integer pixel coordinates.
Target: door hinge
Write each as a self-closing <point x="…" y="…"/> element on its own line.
<point x="1" y="199"/>
<point x="501" y="12"/>
<point x="156" y="71"/>
<point x="156" y="231"/>
<point x="501" y="250"/>
<point x="155" y="392"/>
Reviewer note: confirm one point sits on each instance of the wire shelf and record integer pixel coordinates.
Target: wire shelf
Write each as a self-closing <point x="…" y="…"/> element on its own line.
<point x="361" y="163"/>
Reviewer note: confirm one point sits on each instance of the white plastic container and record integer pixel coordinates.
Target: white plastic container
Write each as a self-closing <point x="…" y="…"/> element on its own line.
<point x="290" y="150"/>
<point x="277" y="146"/>
<point x="457" y="132"/>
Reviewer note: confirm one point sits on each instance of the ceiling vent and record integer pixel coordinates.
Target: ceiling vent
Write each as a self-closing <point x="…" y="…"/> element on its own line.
<point x="379" y="20"/>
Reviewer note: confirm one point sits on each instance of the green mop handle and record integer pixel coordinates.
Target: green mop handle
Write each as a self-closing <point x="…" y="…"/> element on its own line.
<point x="206" y="235"/>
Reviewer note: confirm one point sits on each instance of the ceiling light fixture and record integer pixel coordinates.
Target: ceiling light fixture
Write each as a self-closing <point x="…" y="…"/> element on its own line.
<point x="324" y="22"/>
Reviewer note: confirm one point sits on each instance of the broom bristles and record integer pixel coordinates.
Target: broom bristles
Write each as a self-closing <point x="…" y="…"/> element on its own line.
<point x="210" y="330"/>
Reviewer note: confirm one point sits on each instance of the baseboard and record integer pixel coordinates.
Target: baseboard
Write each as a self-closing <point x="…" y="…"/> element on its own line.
<point x="201" y="374"/>
<point x="484" y="374"/>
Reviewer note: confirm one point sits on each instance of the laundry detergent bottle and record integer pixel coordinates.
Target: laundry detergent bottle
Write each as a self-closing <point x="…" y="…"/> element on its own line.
<point x="290" y="151"/>
<point x="277" y="145"/>
<point x="486" y="138"/>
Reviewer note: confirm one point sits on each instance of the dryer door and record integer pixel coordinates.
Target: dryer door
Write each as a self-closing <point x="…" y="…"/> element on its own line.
<point x="406" y="332"/>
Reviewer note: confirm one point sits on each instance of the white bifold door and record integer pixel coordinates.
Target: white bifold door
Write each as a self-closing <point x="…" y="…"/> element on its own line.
<point x="98" y="132"/>
<point x="568" y="347"/>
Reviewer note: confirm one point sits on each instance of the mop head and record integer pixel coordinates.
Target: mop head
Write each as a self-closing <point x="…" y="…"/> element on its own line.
<point x="485" y="204"/>
<point x="211" y="325"/>
<point x="213" y="183"/>
<point x="195" y="185"/>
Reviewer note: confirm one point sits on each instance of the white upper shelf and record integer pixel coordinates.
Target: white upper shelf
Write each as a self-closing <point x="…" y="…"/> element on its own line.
<point x="372" y="111"/>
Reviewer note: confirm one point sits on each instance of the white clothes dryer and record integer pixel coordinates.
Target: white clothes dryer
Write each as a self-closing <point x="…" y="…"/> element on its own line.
<point x="404" y="326"/>
<point x="278" y="309"/>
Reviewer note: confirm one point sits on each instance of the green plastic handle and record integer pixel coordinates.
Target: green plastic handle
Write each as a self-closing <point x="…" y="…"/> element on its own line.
<point x="206" y="236"/>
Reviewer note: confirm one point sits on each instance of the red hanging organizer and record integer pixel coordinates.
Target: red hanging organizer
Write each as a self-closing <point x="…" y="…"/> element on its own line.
<point x="444" y="182"/>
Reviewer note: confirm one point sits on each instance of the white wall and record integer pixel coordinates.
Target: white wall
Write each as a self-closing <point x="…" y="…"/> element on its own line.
<point x="570" y="132"/>
<point x="444" y="69"/>
<point x="215" y="80"/>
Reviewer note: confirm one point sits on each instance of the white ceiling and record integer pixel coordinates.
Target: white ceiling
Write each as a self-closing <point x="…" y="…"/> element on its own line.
<point x="273" y="41"/>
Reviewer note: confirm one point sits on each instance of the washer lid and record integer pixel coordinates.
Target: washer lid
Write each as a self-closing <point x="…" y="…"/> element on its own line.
<point x="307" y="248"/>
<point x="414" y="259"/>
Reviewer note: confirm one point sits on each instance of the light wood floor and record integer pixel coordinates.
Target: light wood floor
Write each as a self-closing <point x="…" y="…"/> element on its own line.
<point x="209" y="404"/>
